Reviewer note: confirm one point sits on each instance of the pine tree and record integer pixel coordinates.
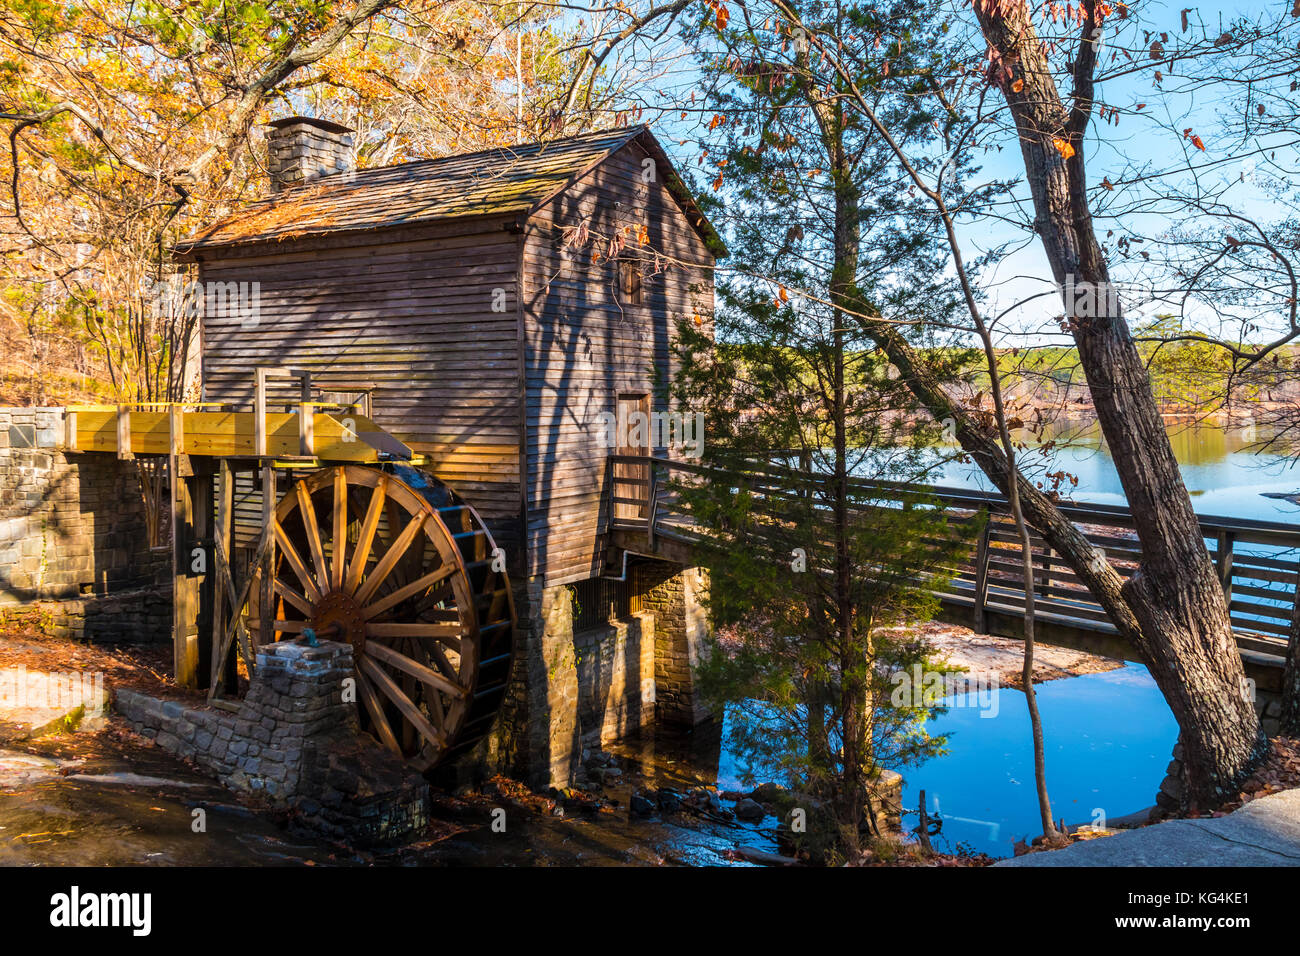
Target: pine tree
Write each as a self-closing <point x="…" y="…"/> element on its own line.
<point x="813" y="562"/>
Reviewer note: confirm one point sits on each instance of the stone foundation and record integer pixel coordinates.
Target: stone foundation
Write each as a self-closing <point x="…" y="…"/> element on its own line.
<point x="295" y="742"/>
<point x="582" y="691"/>
<point x="615" y="668"/>
<point x="75" y="559"/>
<point x="676" y="597"/>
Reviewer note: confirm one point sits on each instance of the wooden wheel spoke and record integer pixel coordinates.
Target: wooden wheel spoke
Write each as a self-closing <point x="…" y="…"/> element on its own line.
<point x="308" y="511"/>
<point x="369" y="525"/>
<point x="293" y="597"/>
<point x="419" y="653"/>
<point x="417" y="670"/>
<point x="374" y="706"/>
<point x="442" y="632"/>
<point x="408" y="590"/>
<point x="294" y="559"/>
<point x="389" y="689"/>
<point x="426" y="601"/>
<point x="440" y="658"/>
<point x="340" y="549"/>
<point x="391" y="557"/>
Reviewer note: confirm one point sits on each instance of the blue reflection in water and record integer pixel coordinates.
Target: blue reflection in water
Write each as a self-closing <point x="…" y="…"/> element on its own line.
<point x="1109" y="738"/>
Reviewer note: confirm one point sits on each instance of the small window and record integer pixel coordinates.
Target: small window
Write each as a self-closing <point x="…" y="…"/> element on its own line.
<point x="629" y="281"/>
<point x="597" y="601"/>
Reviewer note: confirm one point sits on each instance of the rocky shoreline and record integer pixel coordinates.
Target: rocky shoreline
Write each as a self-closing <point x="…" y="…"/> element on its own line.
<point x="1002" y="658"/>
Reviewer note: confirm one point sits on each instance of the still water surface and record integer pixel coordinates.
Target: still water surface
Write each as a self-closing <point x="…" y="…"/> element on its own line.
<point x="1225" y="472"/>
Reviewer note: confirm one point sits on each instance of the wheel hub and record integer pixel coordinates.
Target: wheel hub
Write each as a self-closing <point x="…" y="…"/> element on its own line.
<point x="338" y="617"/>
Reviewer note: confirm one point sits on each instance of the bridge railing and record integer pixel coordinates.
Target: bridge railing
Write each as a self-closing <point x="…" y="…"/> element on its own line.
<point x="1258" y="562"/>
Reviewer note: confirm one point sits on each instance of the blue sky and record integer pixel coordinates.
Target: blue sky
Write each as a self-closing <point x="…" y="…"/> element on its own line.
<point x="1149" y="139"/>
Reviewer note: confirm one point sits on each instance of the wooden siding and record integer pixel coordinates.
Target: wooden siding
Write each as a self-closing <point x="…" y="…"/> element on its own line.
<point x="408" y="313"/>
<point x="584" y="348"/>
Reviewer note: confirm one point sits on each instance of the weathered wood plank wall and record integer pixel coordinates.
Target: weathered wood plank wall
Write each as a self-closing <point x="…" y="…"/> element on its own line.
<point x="584" y="346"/>
<point x="427" y="316"/>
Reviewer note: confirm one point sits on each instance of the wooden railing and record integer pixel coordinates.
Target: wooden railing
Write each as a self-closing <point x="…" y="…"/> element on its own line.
<point x="1258" y="561"/>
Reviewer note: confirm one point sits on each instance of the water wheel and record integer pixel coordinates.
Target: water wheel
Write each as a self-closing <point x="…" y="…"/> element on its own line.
<point x="392" y="562"/>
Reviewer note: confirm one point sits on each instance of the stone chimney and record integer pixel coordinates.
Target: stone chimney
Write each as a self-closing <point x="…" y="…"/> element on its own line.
<point x="301" y="149"/>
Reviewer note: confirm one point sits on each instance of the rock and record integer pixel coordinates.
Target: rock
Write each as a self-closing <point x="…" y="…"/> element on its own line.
<point x="670" y="801"/>
<point x="1265" y="832"/>
<point x="705" y="799"/>
<point x="608" y="776"/>
<point x="750" y="811"/>
<point x="641" y="806"/>
<point x="766" y="793"/>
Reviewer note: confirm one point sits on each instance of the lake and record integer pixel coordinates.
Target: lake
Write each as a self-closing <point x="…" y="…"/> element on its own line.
<point x="1108" y="740"/>
<point x="1225" y="473"/>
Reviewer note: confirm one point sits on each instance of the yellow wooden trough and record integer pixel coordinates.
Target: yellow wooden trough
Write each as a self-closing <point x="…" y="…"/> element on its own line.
<point x="307" y="432"/>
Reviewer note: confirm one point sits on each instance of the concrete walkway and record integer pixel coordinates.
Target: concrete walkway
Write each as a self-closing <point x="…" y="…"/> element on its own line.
<point x="1265" y="832"/>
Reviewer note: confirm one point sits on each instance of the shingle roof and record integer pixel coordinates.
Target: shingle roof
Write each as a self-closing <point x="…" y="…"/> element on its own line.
<point x="505" y="181"/>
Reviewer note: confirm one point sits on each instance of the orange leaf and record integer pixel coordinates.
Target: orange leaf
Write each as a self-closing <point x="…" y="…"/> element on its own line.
<point x="1017" y="86"/>
<point x="1063" y="147"/>
<point x="1196" y="141"/>
<point x="723" y="17"/>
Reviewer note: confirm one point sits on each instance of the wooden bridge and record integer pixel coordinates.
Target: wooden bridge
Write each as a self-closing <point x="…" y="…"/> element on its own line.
<point x="1258" y="561"/>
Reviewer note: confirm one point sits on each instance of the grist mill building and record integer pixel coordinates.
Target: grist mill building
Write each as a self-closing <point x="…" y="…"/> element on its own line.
<point x="493" y="311"/>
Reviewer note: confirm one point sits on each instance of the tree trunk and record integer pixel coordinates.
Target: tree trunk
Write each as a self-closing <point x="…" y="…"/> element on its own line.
<point x="1290" y="722"/>
<point x="1050" y="833"/>
<point x="1175" y="595"/>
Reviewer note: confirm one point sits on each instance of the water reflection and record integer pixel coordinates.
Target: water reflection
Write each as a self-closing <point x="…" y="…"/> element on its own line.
<point x="1108" y="736"/>
<point x="1224" y="470"/>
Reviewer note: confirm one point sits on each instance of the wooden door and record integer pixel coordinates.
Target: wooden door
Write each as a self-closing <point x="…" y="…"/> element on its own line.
<point x="632" y="481"/>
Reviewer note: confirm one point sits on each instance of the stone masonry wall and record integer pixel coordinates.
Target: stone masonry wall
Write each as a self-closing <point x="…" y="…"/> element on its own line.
<point x="74" y="553"/>
<point x="294" y="742"/>
<point x="676" y="596"/>
<point x="616" y="680"/>
<point x="575" y="692"/>
<point x="549" y="746"/>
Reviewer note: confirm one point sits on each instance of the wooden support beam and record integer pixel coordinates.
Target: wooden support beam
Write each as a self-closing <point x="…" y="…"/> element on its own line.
<point x="202" y="568"/>
<point x="124" y="433"/>
<point x="70" y="431"/>
<point x="266" y="599"/>
<point x="222" y="666"/>
<point x="185" y="648"/>
<point x="259" y="415"/>
<point x="980" y="624"/>
<point x="1226" y="540"/>
<point x="306" y="430"/>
